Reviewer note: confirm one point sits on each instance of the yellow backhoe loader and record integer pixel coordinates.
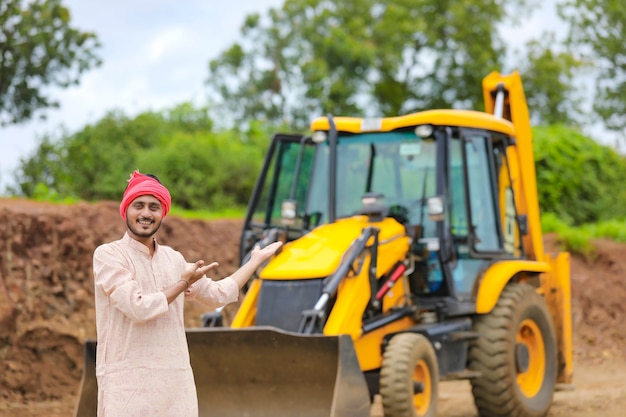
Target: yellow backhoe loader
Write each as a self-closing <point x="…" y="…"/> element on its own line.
<point x="413" y="254"/>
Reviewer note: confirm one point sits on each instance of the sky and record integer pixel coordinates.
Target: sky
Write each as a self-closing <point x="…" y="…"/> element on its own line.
<point x="155" y="55"/>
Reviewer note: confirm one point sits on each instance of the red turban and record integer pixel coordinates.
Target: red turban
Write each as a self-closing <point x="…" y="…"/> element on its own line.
<point x="140" y="184"/>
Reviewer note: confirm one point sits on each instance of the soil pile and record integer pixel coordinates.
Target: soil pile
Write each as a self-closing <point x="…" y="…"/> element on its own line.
<point x="46" y="286"/>
<point x="598" y="308"/>
<point x="46" y="290"/>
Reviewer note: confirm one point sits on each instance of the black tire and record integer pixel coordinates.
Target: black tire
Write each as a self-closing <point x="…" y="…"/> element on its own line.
<point x="409" y="359"/>
<point x="516" y="355"/>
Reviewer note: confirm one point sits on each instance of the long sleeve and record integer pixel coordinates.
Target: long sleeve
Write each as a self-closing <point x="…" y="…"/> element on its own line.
<point x="114" y="277"/>
<point x="136" y="326"/>
<point x="142" y="359"/>
<point x="214" y="294"/>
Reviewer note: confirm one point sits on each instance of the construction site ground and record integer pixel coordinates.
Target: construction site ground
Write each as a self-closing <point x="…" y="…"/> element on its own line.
<point x="47" y="308"/>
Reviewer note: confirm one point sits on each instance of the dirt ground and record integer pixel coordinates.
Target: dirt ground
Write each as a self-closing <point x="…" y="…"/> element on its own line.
<point x="46" y="308"/>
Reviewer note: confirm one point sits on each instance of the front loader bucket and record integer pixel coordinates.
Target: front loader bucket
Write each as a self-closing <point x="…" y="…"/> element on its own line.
<point x="88" y="395"/>
<point x="263" y="372"/>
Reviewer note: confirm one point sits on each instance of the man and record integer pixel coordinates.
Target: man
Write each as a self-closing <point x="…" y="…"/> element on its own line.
<point x="142" y="361"/>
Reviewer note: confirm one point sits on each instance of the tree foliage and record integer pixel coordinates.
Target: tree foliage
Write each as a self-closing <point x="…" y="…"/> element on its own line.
<point x="201" y="167"/>
<point x="206" y="170"/>
<point x="42" y="168"/>
<point x="358" y="57"/>
<point x="597" y="31"/>
<point x="578" y="179"/>
<point x="355" y="57"/>
<point x="373" y="58"/>
<point x="38" y="48"/>
<point x="549" y="81"/>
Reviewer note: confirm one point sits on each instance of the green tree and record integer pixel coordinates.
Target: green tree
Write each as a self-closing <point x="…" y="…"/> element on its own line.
<point x="206" y="170"/>
<point x="358" y="57"/>
<point x="372" y="58"/>
<point x="201" y="167"/>
<point x="597" y="31"/>
<point x="548" y="76"/>
<point x="90" y="163"/>
<point x="38" y="48"/>
<point x="95" y="158"/>
<point x="588" y="195"/>
<point x="42" y="168"/>
<point x="188" y="118"/>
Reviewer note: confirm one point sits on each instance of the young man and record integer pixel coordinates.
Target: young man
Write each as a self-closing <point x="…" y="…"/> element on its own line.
<point x="142" y="361"/>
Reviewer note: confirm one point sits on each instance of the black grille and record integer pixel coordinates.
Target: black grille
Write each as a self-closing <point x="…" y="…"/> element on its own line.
<point x="281" y="303"/>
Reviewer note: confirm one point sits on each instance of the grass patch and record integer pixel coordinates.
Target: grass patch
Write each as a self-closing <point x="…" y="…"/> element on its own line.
<point x="579" y="239"/>
<point x="230" y="213"/>
<point x="43" y="194"/>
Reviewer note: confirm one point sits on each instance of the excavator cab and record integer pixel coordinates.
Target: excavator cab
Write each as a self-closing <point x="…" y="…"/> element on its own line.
<point x="421" y="175"/>
<point x="305" y="184"/>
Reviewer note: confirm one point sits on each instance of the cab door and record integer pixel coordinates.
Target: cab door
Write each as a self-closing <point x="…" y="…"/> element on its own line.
<point x="482" y="214"/>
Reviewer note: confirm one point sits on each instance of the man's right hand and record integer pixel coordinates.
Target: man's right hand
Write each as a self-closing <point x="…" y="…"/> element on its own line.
<point x="195" y="271"/>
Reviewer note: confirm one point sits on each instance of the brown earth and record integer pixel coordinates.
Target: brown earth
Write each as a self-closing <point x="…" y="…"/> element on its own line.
<point x="46" y="308"/>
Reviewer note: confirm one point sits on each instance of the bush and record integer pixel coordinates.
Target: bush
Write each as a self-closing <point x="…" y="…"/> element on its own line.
<point x="578" y="179"/>
<point x="212" y="171"/>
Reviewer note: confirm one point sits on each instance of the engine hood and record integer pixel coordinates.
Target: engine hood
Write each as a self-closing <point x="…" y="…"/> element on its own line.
<point x="319" y="253"/>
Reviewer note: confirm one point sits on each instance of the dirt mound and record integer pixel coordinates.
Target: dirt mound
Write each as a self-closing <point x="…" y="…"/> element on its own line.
<point x="46" y="286"/>
<point x="598" y="294"/>
<point x="46" y="290"/>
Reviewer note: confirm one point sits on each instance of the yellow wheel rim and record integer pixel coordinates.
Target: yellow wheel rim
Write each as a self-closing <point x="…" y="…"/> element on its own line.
<point x="530" y="381"/>
<point x="421" y="401"/>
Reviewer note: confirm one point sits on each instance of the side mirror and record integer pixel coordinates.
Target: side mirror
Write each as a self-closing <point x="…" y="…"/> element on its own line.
<point x="436" y="208"/>
<point x="288" y="212"/>
<point x="432" y="243"/>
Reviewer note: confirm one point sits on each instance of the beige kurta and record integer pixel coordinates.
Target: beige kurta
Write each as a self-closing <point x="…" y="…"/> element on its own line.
<point x="142" y="359"/>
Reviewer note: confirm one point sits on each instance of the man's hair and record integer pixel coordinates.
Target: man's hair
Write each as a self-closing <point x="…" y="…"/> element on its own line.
<point x="148" y="175"/>
<point x="155" y="177"/>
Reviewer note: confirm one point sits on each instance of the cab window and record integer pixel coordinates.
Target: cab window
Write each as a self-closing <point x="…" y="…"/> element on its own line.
<point x="483" y="198"/>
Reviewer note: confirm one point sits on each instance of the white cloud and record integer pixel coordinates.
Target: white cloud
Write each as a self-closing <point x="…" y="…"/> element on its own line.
<point x="168" y="42"/>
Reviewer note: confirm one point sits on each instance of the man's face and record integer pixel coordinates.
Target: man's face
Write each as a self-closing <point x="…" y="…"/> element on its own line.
<point x="143" y="216"/>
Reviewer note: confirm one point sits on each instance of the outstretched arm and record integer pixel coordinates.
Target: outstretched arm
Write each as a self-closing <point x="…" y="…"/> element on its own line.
<point x="192" y="273"/>
<point x="215" y="294"/>
<point x="257" y="257"/>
